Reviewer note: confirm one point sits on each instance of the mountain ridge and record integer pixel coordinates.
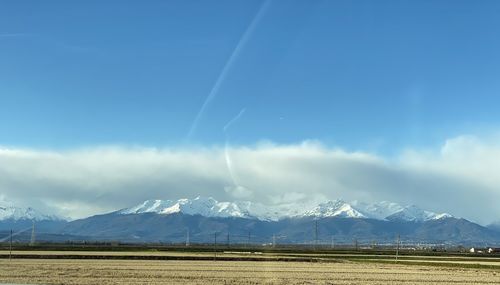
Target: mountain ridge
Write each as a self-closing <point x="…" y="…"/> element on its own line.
<point x="9" y="212"/>
<point x="209" y="207"/>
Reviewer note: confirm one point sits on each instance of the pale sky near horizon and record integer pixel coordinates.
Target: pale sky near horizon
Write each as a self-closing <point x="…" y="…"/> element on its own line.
<point x="396" y="96"/>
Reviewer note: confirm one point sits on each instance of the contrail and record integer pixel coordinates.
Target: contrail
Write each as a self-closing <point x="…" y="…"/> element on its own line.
<point x="222" y="76"/>
<point x="226" y="126"/>
<point x="229" y="162"/>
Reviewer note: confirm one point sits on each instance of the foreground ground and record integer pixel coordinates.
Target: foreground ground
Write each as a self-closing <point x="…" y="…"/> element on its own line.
<point x="62" y="271"/>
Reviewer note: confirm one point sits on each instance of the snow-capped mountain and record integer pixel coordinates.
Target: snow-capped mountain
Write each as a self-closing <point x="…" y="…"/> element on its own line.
<point x="335" y="208"/>
<point x="209" y="207"/>
<point x="414" y="214"/>
<point x="17" y="213"/>
<point x="171" y="221"/>
<point x="379" y="210"/>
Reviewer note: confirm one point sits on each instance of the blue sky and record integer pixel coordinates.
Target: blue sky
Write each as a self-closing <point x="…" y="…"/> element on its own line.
<point x="365" y="75"/>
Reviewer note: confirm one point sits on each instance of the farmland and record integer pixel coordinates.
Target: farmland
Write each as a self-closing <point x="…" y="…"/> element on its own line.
<point x="85" y="267"/>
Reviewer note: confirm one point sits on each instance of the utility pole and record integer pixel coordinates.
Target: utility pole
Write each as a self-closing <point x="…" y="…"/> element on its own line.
<point x="215" y="246"/>
<point x="315" y="235"/>
<point x="274" y="240"/>
<point x="227" y="245"/>
<point x="187" y="238"/>
<point x="397" y="247"/>
<point x="356" y="244"/>
<point x="10" y="247"/>
<point x="333" y="244"/>
<point x="248" y="242"/>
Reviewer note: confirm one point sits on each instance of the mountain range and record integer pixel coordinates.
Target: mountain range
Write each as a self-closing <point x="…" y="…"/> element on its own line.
<point x="209" y="207"/>
<point x="172" y="220"/>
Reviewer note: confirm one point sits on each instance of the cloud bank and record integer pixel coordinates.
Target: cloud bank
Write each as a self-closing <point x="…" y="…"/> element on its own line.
<point x="460" y="178"/>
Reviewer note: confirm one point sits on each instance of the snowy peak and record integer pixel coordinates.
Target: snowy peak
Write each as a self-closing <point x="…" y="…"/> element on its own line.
<point x="209" y="207"/>
<point x="335" y="208"/>
<point x="149" y="206"/>
<point x="414" y="214"/>
<point x="378" y="211"/>
<point x="442" y="216"/>
<point x="17" y="213"/>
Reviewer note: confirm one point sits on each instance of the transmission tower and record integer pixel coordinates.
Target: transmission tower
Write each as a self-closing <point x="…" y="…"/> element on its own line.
<point x="32" y="242"/>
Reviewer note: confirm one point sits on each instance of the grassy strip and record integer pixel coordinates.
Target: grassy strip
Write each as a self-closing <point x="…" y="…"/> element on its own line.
<point x="209" y="248"/>
<point x="166" y="257"/>
<point x="205" y="255"/>
<point x="437" y="264"/>
<point x="401" y="257"/>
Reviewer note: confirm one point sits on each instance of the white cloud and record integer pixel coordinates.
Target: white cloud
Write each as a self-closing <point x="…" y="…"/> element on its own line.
<point x="466" y="156"/>
<point x="460" y="178"/>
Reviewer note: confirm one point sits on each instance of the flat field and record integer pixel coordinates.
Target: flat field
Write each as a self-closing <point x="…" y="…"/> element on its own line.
<point x="64" y="271"/>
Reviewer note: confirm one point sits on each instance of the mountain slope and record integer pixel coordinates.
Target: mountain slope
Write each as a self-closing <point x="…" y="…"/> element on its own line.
<point x="495" y="226"/>
<point x="149" y="227"/>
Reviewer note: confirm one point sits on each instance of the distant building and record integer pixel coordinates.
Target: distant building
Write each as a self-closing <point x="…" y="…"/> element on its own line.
<point x="476" y="250"/>
<point x="493" y="250"/>
<point x="484" y="250"/>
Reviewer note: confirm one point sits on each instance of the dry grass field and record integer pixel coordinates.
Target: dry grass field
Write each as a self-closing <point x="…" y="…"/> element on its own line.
<point x="62" y="271"/>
